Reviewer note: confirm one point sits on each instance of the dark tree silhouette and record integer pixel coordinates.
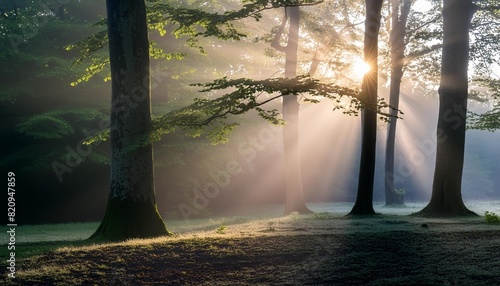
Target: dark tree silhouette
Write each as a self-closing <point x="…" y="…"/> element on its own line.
<point x="364" y="199"/>
<point x="399" y="18"/>
<point x="446" y="199"/>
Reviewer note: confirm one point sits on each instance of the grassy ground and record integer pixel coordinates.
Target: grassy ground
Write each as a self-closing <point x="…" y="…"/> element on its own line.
<point x="324" y="248"/>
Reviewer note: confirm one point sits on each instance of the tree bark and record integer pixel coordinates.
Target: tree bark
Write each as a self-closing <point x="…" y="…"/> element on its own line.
<point x="290" y="109"/>
<point x="446" y="199"/>
<point x="397" y="40"/>
<point x="131" y="210"/>
<point x="364" y="199"/>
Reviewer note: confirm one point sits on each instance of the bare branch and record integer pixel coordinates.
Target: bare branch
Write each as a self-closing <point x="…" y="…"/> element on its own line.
<point x="276" y="40"/>
<point x="411" y="32"/>
<point x="417" y="54"/>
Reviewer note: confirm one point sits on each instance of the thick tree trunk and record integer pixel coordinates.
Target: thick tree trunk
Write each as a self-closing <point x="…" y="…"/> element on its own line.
<point x="293" y="177"/>
<point x="446" y="199"/>
<point x="398" y="33"/>
<point x="131" y="210"/>
<point x="364" y="199"/>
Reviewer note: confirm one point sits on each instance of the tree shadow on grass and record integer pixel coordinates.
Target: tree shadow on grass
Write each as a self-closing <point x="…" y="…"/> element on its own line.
<point x="408" y="255"/>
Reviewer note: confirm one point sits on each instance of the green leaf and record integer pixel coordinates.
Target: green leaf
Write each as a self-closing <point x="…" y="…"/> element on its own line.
<point x="45" y="126"/>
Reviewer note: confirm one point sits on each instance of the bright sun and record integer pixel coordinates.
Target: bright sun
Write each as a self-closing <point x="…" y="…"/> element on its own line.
<point x="360" y="68"/>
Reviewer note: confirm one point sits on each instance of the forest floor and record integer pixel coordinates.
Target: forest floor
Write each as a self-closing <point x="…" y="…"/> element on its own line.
<point x="324" y="248"/>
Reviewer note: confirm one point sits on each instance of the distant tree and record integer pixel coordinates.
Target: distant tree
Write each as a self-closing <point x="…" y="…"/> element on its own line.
<point x="411" y="49"/>
<point x="290" y="109"/>
<point x="446" y="199"/>
<point x="399" y="16"/>
<point x="131" y="210"/>
<point x="364" y="198"/>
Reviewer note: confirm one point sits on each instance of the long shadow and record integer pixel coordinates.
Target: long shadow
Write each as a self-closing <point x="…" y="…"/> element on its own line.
<point x="405" y="252"/>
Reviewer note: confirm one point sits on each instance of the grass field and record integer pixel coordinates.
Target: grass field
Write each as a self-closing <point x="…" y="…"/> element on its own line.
<point x="264" y="248"/>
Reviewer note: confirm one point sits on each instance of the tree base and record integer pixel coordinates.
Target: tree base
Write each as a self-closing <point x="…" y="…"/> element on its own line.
<point x="127" y="219"/>
<point x="362" y="212"/>
<point x="397" y="204"/>
<point x="396" y="199"/>
<point x="435" y="210"/>
<point x="362" y="208"/>
<point x="303" y="209"/>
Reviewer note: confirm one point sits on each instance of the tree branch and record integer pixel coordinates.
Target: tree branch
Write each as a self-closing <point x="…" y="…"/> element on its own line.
<point x="279" y="5"/>
<point x="414" y="55"/>
<point x="276" y="40"/>
<point x="411" y="32"/>
<point x="203" y="115"/>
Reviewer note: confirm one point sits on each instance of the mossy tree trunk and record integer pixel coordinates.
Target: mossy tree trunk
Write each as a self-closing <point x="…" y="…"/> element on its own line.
<point x="364" y="198"/>
<point x="446" y="198"/>
<point x="290" y="109"/>
<point x="131" y="210"/>
<point x="399" y="18"/>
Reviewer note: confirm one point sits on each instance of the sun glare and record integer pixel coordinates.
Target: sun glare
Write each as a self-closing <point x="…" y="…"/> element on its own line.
<point x="360" y="68"/>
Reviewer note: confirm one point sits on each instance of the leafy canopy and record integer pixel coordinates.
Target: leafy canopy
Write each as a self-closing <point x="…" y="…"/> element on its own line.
<point x="208" y="115"/>
<point x="188" y="22"/>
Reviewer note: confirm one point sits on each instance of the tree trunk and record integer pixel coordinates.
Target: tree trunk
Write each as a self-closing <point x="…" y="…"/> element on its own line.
<point x="397" y="39"/>
<point x="446" y="199"/>
<point x="293" y="177"/>
<point x="364" y="199"/>
<point x="131" y="210"/>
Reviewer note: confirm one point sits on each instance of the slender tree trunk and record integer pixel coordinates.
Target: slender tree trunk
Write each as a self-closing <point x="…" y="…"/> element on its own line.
<point x="398" y="33"/>
<point x="290" y="109"/>
<point x="131" y="210"/>
<point x="364" y="199"/>
<point x="294" y="192"/>
<point x="446" y="199"/>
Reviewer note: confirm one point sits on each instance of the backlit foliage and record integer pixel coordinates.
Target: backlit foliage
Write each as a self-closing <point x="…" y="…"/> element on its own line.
<point x="208" y="116"/>
<point x="191" y="23"/>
